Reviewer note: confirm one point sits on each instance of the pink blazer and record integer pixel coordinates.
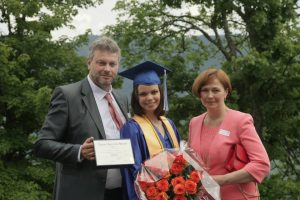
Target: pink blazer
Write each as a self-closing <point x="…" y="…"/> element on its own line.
<point x="237" y="127"/>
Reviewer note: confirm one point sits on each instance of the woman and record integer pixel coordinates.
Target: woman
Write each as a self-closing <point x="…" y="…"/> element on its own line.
<point x="213" y="133"/>
<point x="150" y="133"/>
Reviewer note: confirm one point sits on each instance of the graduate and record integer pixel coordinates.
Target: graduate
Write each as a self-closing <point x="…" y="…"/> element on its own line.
<point x="149" y="131"/>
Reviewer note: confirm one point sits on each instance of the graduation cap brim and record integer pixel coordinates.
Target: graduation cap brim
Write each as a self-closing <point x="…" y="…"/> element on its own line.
<point x="145" y="73"/>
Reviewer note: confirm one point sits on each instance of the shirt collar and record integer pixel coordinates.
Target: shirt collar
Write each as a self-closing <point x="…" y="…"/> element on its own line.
<point x="97" y="90"/>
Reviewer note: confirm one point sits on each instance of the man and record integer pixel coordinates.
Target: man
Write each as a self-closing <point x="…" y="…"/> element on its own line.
<point x="79" y="113"/>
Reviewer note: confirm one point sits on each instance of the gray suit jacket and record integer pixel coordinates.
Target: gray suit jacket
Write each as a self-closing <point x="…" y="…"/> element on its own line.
<point x="73" y="116"/>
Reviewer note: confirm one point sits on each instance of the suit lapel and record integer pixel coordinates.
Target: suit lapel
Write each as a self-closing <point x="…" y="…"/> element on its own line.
<point x="227" y="121"/>
<point x="197" y="126"/>
<point x="201" y="124"/>
<point x="89" y="100"/>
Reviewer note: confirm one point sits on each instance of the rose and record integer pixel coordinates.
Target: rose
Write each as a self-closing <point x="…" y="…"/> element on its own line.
<point x="177" y="180"/>
<point x="176" y="168"/>
<point x="162" y="196"/>
<point x="179" y="197"/>
<point x="180" y="160"/>
<point x="179" y="189"/>
<point x="145" y="185"/>
<point x="162" y="185"/>
<point x="194" y="175"/>
<point x="190" y="187"/>
<point x="151" y="192"/>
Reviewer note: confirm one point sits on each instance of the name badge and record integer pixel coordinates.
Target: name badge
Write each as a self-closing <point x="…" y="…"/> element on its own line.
<point x="224" y="132"/>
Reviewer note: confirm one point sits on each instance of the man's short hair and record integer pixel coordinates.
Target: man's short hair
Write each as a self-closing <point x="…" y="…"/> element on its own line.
<point x="105" y="43"/>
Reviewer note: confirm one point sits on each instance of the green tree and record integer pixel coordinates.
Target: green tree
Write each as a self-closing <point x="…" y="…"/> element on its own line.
<point x="259" y="46"/>
<point x="31" y="65"/>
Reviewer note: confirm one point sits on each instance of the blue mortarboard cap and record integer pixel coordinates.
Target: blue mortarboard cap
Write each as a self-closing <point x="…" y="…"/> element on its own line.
<point x="148" y="73"/>
<point x="145" y="73"/>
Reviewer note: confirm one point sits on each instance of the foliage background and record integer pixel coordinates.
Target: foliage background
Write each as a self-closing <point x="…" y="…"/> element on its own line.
<point x="255" y="42"/>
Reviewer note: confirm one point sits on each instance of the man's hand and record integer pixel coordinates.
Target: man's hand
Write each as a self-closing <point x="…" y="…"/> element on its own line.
<point x="87" y="149"/>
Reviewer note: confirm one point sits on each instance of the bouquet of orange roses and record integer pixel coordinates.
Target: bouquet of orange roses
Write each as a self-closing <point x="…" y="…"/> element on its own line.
<point x="175" y="174"/>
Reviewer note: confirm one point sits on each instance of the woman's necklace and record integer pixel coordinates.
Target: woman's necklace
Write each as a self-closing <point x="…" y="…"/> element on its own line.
<point x="155" y="132"/>
<point x="211" y="121"/>
<point x="160" y="127"/>
<point x="157" y="123"/>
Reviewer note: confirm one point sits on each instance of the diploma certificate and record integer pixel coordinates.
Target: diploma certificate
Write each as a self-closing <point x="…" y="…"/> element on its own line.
<point x="113" y="153"/>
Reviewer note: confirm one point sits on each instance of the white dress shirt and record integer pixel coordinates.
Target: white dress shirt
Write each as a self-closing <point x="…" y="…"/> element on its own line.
<point x="113" y="179"/>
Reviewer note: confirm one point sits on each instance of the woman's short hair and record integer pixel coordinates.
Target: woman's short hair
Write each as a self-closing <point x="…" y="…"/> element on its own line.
<point x="136" y="107"/>
<point x="207" y="75"/>
<point x="105" y="43"/>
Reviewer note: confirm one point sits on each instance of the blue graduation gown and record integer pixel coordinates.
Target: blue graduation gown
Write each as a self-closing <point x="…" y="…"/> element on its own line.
<point x="133" y="131"/>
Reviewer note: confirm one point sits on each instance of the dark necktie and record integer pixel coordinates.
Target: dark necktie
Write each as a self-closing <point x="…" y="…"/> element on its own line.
<point x="113" y="112"/>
